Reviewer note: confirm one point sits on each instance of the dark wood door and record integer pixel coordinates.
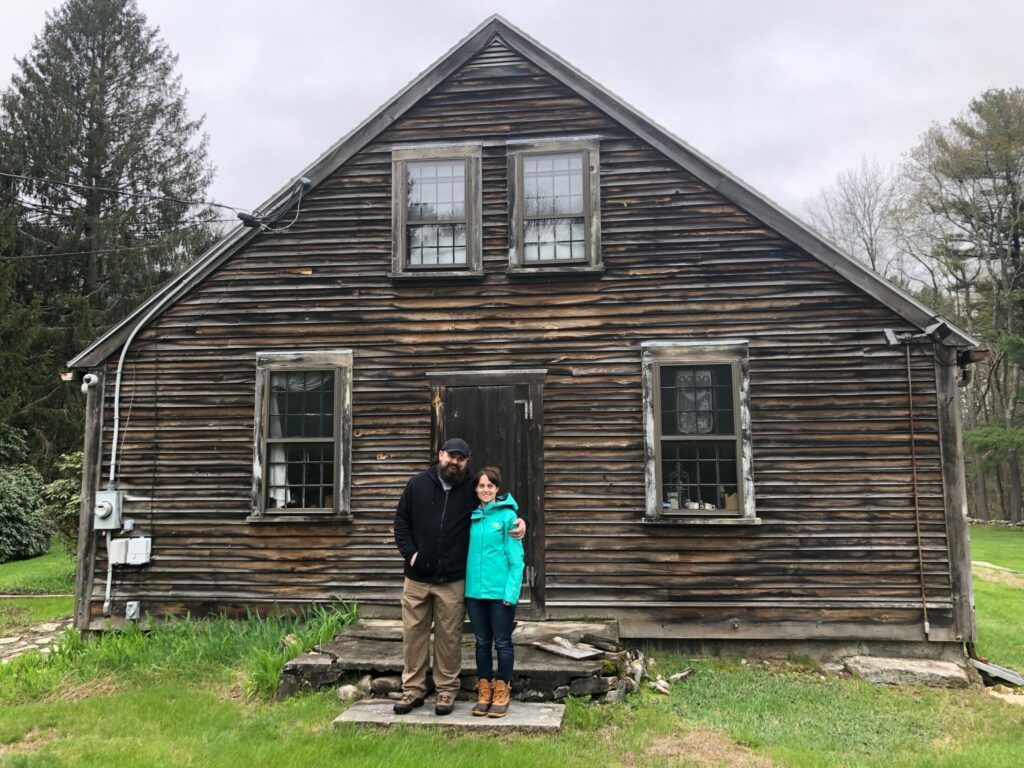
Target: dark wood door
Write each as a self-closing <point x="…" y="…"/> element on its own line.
<point x="498" y="420"/>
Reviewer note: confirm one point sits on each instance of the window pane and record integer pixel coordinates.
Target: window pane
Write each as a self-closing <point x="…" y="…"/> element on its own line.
<point x="436" y="190"/>
<point x="559" y="239"/>
<point x="437" y="244"/>
<point x="301" y="404"/>
<point x="301" y="475"/>
<point x="697" y="400"/>
<point x="698" y="474"/>
<point x="553" y="184"/>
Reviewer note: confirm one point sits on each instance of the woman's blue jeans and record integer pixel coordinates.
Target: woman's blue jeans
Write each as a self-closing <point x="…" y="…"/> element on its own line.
<point x="492" y="624"/>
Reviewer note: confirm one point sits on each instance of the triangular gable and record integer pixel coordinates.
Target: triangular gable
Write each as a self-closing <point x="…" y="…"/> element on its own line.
<point x="658" y="137"/>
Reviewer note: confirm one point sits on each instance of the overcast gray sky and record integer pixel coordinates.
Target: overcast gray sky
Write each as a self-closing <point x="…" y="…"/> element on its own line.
<point x="783" y="94"/>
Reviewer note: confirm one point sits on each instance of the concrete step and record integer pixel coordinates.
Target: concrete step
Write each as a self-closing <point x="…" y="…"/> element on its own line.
<point x="525" y="632"/>
<point x="521" y="716"/>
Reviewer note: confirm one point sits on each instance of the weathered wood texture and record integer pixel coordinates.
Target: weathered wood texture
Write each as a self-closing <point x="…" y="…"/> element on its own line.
<point x="829" y="412"/>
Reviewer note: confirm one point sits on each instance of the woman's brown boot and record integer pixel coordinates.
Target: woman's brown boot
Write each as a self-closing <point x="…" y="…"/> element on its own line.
<point x="499" y="705"/>
<point x="484" y="694"/>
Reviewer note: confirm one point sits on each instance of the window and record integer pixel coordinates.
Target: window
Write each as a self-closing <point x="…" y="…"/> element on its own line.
<point x="302" y="434"/>
<point x="436" y="212"/>
<point x="555" y="213"/>
<point x="697" y="427"/>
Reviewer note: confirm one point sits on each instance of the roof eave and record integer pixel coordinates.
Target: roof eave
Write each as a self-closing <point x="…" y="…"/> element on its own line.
<point x="730" y="186"/>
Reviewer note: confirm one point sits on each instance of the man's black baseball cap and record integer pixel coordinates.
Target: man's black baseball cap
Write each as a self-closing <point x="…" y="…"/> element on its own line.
<point x="456" y="445"/>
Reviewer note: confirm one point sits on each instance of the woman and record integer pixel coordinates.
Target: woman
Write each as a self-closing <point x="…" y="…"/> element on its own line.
<point x="494" y="576"/>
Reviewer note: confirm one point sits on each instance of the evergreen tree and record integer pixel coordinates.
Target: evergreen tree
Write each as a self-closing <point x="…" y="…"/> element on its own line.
<point x="97" y="107"/>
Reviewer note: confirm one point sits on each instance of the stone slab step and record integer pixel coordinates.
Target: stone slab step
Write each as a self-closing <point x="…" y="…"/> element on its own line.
<point x="897" y="671"/>
<point x="356" y="654"/>
<point x="526" y="632"/>
<point x="520" y="717"/>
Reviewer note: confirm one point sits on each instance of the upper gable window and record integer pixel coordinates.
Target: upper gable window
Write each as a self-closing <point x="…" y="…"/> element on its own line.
<point x="555" y="204"/>
<point x="436" y="211"/>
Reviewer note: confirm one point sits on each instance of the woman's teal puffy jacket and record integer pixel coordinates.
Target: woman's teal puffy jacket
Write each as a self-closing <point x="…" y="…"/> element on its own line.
<point x="494" y="568"/>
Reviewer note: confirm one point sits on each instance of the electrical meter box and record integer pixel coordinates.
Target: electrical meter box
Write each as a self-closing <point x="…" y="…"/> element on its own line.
<point x="107" y="510"/>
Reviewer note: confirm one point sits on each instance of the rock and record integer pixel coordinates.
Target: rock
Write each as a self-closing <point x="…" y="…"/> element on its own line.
<point x="530" y="694"/>
<point x="314" y="670"/>
<point x="637" y="671"/>
<point x="893" y="671"/>
<point x="615" y="696"/>
<point x="395" y="695"/>
<point x="630" y="684"/>
<point x="47" y="627"/>
<point x="350" y="693"/>
<point x="833" y="668"/>
<point x="680" y="675"/>
<point x="1002" y="688"/>
<point x="609" y="667"/>
<point x="561" y="692"/>
<point x="288" y="641"/>
<point x="604" y="642"/>
<point x="9" y="640"/>
<point x="382" y="686"/>
<point x="365" y="684"/>
<point x="588" y="686"/>
<point x="743" y="662"/>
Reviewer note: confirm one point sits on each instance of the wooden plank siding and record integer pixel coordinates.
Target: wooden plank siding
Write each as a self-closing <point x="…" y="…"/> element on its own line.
<point x="836" y="554"/>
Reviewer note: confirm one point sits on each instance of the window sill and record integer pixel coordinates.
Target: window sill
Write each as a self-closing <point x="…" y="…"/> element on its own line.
<point x="556" y="269"/>
<point x="701" y="520"/>
<point x="325" y="517"/>
<point x="439" y="275"/>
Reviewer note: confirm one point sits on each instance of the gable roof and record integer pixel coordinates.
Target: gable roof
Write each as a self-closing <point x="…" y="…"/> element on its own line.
<point x="728" y="185"/>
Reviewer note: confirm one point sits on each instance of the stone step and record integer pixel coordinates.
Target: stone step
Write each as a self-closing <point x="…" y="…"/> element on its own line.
<point x="525" y="633"/>
<point x="521" y="716"/>
<point x="355" y="654"/>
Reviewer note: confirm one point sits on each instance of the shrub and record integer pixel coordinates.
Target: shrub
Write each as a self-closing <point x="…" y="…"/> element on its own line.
<point x="62" y="498"/>
<point x="23" y="529"/>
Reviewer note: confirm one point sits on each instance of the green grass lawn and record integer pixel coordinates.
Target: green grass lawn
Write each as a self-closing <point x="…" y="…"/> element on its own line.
<point x="999" y="545"/>
<point x="999" y="596"/>
<point x="52" y="573"/>
<point x="20" y="612"/>
<point x="198" y="693"/>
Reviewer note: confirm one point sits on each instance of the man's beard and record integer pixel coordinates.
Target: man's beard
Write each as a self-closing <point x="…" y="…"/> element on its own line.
<point x="453" y="474"/>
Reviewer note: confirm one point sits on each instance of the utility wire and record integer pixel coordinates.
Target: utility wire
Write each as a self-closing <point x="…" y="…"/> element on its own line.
<point x="151" y="244"/>
<point x="143" y="195"/>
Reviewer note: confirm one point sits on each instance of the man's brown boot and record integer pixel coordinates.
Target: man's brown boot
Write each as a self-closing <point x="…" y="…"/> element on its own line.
<point x="407" y="703"/>
<point x="484" y="694"/>
<point x="499" y="705"/>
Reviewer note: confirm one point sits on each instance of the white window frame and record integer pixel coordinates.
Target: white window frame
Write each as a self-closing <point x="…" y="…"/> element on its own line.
<point x="400" y="158"/>
<point x="590" y="148"/>
<point x="733" y="352"/>
<point x="340" y="361"/>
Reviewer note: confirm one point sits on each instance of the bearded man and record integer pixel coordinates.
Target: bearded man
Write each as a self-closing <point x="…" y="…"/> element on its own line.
<point x="432" y="533"/>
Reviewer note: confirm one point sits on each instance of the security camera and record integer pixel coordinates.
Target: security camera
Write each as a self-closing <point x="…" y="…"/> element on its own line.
<point x="89" y="381"/>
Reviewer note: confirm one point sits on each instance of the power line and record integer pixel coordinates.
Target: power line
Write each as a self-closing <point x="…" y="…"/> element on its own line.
<point x="151" y="244"/>
<point x="143" y="195"/>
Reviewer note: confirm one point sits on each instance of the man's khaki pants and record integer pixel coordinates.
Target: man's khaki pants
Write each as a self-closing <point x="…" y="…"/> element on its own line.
<point x="442" y="605"/>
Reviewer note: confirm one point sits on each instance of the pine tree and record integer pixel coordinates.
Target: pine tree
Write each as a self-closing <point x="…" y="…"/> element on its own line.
<point x="97" y="106"/>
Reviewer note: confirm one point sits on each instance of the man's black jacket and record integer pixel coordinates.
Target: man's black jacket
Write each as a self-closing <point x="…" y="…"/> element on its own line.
<point x="435" y="524"/>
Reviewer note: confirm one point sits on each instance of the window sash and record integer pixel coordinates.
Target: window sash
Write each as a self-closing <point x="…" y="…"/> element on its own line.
<point x="439" y="240"/>
<point x="697" y="354"/>
<point x="338" y="364"/>
<point x="544" y="250"/>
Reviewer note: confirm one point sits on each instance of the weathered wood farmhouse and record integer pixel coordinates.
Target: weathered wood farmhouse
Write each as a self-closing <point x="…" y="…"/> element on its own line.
<point x="720" y="427"/>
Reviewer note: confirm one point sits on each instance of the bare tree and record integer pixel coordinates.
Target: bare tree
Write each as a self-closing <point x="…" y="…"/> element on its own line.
<point x="856" y="213"/>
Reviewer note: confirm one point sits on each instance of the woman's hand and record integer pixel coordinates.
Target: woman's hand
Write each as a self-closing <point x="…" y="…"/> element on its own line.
<point x="518" y="531"/>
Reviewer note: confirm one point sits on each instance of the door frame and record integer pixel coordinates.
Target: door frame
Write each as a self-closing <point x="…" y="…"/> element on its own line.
<point x="528" y="392"/>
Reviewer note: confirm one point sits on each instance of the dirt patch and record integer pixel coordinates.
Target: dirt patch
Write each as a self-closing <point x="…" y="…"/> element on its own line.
<point x="998" y="576"/>
<point x="99" y="687"/>
<point x="34" y="740"/>
<point x="699" y="746"/>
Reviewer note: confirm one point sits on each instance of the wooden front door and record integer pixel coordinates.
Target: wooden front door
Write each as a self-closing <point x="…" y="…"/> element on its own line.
<point x="499" y="413"/>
